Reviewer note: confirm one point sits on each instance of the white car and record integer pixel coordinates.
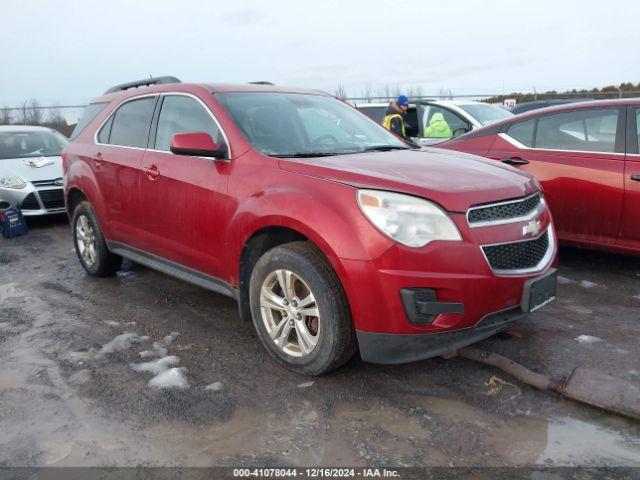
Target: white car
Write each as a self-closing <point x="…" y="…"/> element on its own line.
<point x="459" y="116"/>
<point x="31" y="169"/>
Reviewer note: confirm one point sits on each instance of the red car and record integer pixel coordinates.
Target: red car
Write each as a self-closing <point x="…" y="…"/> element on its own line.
<point x="586" y="157"/>
<point x="332" y="233"/>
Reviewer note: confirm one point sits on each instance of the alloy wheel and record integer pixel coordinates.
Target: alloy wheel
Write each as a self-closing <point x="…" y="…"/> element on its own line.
<point x="86" y="240"/>
<point x="290" y="313"/>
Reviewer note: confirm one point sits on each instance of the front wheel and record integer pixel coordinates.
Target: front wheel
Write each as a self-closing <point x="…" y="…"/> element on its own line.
<point x="90" y="244"/>
<point x="300" y="310"/>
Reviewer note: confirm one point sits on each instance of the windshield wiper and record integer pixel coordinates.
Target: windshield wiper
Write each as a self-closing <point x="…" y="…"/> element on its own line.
<point x="383" y="148"/>
<point x="304" y="155"/>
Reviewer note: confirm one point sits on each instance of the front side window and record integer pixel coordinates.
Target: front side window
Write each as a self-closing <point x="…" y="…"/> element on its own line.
<point x="523" y="132"/>
<point x="592" y="130"/>
<point x="182" y="114"/>
<point x="131" y="123"/>
<point x="31" y="144"/>
<point x="297" y="125"/>
<point x="441" y="122"/>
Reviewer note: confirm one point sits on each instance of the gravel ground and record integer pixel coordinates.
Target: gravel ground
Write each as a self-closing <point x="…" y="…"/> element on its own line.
<point x="73" y="393"/>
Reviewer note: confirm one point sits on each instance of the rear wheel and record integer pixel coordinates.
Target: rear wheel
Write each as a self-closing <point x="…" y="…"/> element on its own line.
<point x="90" y="244"/>
<point x="300" y="310"/>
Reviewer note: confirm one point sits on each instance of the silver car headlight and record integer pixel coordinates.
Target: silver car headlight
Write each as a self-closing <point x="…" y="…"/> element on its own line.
<point x="11" y="182"/>
<point x="409" y="220"/>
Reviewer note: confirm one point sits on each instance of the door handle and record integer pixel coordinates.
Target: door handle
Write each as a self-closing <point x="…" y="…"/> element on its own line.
<point x="152" y="172"/>
<point x="97" y="159"/>
<point x="635" y="177"/>
<point x="514" y="161"/>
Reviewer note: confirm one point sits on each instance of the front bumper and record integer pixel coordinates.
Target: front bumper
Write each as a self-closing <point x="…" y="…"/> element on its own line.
<point x="389" y="348"/>
<point x="36" y="201"/>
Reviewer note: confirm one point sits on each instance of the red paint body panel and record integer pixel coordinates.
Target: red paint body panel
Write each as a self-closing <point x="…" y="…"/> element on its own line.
<point x="200" y="213"/>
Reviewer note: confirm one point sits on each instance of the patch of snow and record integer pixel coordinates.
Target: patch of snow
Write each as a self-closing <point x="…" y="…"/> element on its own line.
<point x="81" y="377"/>
<point x="564" y="280"/>
<point x="125" y="274"/>
<point x="215" y="387"/>
<point x="305" y="384"/>
<point x="156" y="366"/>
<point x="123" y="342"/>
<point x="168" y="340"/>
<point x="635" y="373"/>
<point x="587" y="339"/>
<point x="588" y="284"/>
<point x="132" y="324"/>
<point x="159" y="349"/>
<point x="172" y="378"/>
<point x="111" y="323"/>
<point x="637" y="297"/>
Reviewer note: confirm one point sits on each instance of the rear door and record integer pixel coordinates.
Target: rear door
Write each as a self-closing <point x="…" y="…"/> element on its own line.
<point x="116" y="158"/>
<point x="578" y="157"/>
<point x="185" y="206"/>
<point x="629" y="225"/>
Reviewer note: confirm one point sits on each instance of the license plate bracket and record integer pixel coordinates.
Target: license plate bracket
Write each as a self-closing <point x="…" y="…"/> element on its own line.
<point x="539" y="291"/>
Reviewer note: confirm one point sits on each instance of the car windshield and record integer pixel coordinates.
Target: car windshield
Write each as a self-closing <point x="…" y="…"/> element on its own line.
<point x="27" y="144"/>
<point x="305" y="125"/>
<point x="486" y="113"/>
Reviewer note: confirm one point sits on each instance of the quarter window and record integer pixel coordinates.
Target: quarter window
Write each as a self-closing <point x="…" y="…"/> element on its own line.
<point x="131" y="123"/>
<point x="181" y="114"/>
<point x="591" y="130"/>
<point x="90" y="112"/>
<point x="523" y="132"/>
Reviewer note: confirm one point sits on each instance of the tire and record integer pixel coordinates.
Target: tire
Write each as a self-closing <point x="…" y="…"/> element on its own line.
<point x="306" y="343"/>
<point x="97" y="260"/>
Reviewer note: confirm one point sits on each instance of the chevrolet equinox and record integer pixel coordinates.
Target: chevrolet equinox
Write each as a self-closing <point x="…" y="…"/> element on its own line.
<point x="333" y="234"/>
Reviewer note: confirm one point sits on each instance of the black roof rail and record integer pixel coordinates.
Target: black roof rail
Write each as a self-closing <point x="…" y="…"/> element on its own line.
<point x="143" y="83"/>
<point x="261" y="82"/>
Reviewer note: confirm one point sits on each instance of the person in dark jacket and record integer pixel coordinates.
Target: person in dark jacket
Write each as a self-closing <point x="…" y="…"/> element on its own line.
<point x="394" y="116"/>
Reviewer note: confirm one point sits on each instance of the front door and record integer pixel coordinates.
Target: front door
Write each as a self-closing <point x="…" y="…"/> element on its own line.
<point x="578" y="158"/>
<point x="185" y="206"/>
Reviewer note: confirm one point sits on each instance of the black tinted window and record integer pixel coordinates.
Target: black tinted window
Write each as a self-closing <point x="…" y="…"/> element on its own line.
<point x="523" y="132"/>
<point x="131" y="123"/>
<point x="592" y="130"/>
<point x="90" y="112"/>
<point x="181" y="114"/>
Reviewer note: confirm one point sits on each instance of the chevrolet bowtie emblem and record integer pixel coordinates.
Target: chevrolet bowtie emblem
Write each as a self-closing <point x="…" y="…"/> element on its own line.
<point x="532" y="228"/>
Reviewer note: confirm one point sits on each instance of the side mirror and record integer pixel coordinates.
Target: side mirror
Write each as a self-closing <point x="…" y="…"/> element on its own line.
<point x="197" y="144"/>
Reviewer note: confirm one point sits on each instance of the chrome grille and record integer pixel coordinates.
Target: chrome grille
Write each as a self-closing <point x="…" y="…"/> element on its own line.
<point x="56" y="182"/>
<point x="517" y="257"/>
<point x="504" y="212"/>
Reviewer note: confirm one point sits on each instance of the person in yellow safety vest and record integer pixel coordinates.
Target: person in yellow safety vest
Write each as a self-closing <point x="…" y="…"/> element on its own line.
<point x="393" y="118"/>
<point x="438" y="127"/>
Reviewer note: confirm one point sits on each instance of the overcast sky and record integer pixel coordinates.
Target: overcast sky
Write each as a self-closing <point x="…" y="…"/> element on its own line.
<point x="70" y="51"/>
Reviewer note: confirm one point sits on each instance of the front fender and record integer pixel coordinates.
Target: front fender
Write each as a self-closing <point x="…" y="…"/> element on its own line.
<point x="325" y="212"/>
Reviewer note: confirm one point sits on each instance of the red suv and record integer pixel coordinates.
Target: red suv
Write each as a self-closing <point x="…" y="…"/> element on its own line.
<point x="586" y="157"/>
<point x="332" y="233"/>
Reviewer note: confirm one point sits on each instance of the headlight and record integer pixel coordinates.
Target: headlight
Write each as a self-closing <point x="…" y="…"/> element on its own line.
<point x="409" y="220"/>
<point x="11" y="182"/>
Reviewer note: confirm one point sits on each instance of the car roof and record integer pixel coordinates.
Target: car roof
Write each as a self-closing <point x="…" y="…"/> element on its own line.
<point x="212" y="87"/>
<point x="24" y="128"/>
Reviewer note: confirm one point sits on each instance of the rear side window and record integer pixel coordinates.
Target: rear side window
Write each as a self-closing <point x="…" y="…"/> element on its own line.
<point x="592" y="130"/>
<point x="182" y="114"/>
<point x="131" y="123"/>
<point x="523" y="132"/>
<point x="90" y="112"/>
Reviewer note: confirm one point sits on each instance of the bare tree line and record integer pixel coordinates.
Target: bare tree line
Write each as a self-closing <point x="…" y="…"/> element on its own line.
<point x="31" y="112"/>
<point x="385" y="92"/>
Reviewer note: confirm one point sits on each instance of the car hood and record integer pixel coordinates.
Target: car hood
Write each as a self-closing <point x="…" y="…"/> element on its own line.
<point x="455" y="180"/>
<point x="18" y="167"/>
